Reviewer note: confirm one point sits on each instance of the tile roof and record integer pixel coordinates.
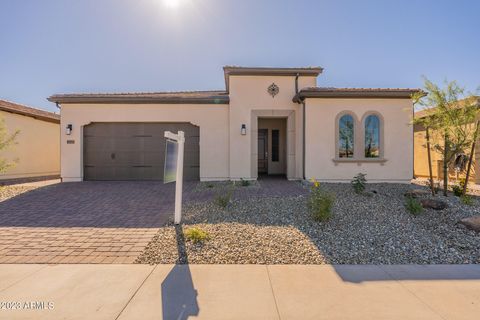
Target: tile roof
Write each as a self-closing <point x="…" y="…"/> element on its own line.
<point x="28" y="111"/>
<point x="428" y="111"/>
<point x="314" y="71"/>
<point x="184" y="97"/>
<point x="329" y="92"/>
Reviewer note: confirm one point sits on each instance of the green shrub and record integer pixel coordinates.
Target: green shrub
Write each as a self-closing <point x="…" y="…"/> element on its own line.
<point x="413" y="206"/>
<point x="210" y="185"/>
<point x="196" y="235"/>
<point x="358" y="183"/>
<point x="223" y="199"/>
<point x="457" y="190"/>
<point x="244" y="183"/>
<point x="466" y="199"/>
<point x="320" y="203"/>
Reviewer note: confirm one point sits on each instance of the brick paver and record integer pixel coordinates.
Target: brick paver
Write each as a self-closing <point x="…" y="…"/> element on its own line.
<point x="100" y="222"/>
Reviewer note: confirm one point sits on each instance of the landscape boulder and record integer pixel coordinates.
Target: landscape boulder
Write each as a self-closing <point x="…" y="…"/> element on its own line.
<point x="434" y="204"/>
<point x="417" y="193"/>
<point x="472" y="223"/>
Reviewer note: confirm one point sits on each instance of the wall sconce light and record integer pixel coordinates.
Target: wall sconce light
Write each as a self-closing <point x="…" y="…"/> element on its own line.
<point x="243" y="130"/>
<point x="68" y="129"/>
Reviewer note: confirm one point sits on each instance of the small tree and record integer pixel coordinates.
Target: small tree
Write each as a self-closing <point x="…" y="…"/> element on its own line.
<point x="6" y="140"/>
<point x="426" y="123"/>
<point x="470" y="158"/>
<point x="449" y="119"/>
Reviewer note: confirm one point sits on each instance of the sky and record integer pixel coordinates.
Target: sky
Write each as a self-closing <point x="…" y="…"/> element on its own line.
<point x="67" y="46"/>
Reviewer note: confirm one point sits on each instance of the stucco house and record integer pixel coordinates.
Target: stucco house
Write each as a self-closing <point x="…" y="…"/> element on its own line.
<point x="37" y="148"/>
<point x="458" y="168"/>
<point x="273" y="121"/>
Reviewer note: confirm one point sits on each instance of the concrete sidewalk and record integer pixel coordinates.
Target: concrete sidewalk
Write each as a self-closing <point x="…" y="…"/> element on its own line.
<point x="239" y="292"/>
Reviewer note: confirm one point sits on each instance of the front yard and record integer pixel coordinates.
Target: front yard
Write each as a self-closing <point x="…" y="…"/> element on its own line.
<point x="365" y="229"/>
<point x="266" y="222"/>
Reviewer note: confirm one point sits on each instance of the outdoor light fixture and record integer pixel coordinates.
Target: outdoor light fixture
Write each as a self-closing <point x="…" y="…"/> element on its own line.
<point x="243" y="130"/>
<point x="68" y="129"/>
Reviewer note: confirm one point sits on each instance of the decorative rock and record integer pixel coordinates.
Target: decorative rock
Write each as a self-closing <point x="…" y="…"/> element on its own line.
<point x="472" y="223"/>
<point x="265" y="226"/>
<point x="417" y="193"/>
<point x="434" y="204"/>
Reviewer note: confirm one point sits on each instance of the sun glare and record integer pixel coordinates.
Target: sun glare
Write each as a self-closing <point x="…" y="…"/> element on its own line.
<point x="171" y="3"/>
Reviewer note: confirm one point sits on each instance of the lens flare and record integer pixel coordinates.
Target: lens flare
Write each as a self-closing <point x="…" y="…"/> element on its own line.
<point x="171" y="3"/>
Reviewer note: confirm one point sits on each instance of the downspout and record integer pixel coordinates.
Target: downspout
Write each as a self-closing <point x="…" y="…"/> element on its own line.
<point x="303" y="121"/>
<point x="60" y="137"/>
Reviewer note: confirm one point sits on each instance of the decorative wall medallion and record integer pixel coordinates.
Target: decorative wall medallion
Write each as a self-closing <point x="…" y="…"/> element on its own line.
<point x="273" y="90"/>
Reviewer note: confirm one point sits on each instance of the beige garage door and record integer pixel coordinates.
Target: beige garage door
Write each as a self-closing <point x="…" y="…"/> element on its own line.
<point x="135" y="151"/>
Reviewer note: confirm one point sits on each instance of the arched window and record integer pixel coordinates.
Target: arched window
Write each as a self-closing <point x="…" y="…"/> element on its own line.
<point x="346" y="136"/>
<point x="372" y="136"/>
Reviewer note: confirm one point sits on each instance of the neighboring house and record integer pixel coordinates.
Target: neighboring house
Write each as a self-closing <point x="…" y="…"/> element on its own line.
<point x="37" y="148"/>
<point x="267" y="121"/>
<point x="421" y="156"/>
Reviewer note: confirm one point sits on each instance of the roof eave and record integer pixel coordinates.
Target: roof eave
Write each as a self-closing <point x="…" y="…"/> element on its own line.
<point x="138" y="100"/>
<point x="351" y="95"/>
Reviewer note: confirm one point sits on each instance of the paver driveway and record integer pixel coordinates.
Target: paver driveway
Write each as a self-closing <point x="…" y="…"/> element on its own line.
<point x="99" y="222"/>
<point x="85" y="222"/>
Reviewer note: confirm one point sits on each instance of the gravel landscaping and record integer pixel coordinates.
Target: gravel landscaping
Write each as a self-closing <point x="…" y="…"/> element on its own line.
<point x="7" y="192"/>
<point x="365" y="229"/>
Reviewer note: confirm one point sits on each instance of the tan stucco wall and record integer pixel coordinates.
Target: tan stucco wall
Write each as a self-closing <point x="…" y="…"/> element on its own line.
<point x="421" y="157"/>
<point x="37" y="149"/>
<point x="212" y="120"/>
<point x="249" y="98"/>
<point x="321" y="141"/>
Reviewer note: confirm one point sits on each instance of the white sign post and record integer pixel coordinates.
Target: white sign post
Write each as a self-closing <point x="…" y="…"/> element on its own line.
<point x="179" y="138"/>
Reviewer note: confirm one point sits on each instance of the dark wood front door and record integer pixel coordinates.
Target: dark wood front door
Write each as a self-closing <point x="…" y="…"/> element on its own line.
<point x="263" y="151"/>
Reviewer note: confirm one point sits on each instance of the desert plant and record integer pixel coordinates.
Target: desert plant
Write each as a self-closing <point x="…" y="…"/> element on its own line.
<point x="223" y="198"/>
<point x="244" y="183"/>
<point x="413" y="206"/>
<point x="358" y="183"/>
<point x="466" y="199"/>
<point x="320" y="203"/>
<point x="470" y="157"/>
<point x="450" y="118"/>
<point x="196" y="235"/>
<point x="457" y="190"/>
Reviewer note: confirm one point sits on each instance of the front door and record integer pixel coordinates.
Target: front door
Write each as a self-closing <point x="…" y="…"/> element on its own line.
<point x="263" y="151"/>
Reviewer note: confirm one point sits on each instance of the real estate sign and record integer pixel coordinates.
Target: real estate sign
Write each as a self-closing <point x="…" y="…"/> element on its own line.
<point x="173" y="170"/>
<point x="171" y="155"/>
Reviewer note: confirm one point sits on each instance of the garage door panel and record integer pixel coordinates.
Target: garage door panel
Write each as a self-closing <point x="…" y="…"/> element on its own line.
<point x="153" y="143"/>
<point x="97" y="143"/>
<point x="135" y="151"/>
